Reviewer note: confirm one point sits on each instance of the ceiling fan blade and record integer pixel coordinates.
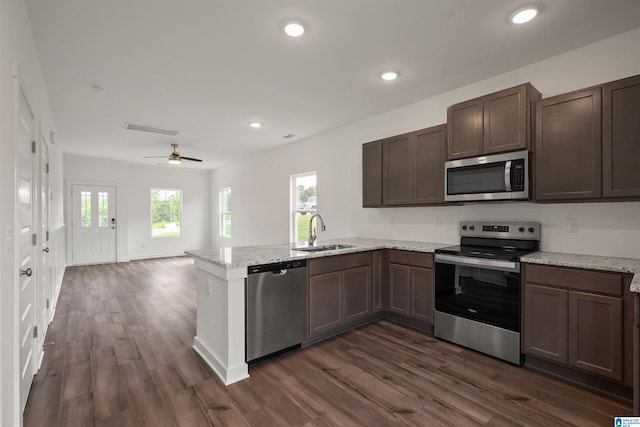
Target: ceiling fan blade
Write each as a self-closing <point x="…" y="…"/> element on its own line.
<point x="190" y="158"/>
<point x="155" y="157"/>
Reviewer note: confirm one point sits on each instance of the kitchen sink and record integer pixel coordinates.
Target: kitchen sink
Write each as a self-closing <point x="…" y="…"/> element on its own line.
<point x="322" y="248"/>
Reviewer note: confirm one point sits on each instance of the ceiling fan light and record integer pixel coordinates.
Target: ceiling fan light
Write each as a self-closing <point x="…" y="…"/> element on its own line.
<point x="174" y="161"/>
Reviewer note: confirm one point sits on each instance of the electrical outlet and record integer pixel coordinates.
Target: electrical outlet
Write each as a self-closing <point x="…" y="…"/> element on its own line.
<point x="438" y="222"/>
<point x="390" y="220"/>
<point x="209" y="286"/>
<point x="572" y="225"/>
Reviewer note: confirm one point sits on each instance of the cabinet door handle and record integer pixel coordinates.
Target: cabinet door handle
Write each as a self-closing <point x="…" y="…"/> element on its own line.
<point x="28" y="272"/>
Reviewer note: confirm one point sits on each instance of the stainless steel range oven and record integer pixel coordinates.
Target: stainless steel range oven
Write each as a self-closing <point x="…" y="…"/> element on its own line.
<point x="478" y="287"/>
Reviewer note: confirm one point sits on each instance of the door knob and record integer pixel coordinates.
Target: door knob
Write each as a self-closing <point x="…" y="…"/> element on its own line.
<point x="45" y="250"/>
<point x="28" y="272"/>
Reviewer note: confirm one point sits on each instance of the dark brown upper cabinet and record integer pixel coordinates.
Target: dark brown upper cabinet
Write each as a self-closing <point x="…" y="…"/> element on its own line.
<point x="621" y="138"/>
<point x="397" y="179"/>
<point x="495" y="123"/>
<point x="406" y="169"/>
<point x="372" y="174"/>
<point x="569" y="146"/>
<point x="428" y="165"/>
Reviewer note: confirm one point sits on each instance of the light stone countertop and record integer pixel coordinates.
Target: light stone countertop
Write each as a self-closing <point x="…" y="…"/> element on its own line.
<point x="591" y="262"/>
<point x="245" y="256"/>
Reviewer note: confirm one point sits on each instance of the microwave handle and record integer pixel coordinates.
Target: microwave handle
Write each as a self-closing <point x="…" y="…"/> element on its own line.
<point x="507" y="176"/>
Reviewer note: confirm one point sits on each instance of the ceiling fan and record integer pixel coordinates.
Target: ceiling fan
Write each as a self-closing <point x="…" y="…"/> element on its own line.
<point x="174" y="158"/>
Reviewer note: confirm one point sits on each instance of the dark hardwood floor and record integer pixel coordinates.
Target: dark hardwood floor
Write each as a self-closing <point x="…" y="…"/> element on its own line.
<point x="119" y="354"/>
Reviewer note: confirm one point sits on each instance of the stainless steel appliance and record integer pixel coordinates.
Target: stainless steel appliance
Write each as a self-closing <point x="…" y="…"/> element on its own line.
<point x="276" y="307"/>
<point x="495" y="177"/>
<point x="478" y="286"/>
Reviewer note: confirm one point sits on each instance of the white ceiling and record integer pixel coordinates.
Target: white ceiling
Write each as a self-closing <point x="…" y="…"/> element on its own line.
<point x="209" y="67"/>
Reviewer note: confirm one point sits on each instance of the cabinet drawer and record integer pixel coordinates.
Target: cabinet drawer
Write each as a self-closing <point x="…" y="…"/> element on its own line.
<point x="419" y="259"/>
<point x="577" y="279"/>
<point x="338" y="263"/>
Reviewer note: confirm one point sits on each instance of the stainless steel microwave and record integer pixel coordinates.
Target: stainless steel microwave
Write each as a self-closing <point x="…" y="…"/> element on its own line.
<point x="495" y="177"/>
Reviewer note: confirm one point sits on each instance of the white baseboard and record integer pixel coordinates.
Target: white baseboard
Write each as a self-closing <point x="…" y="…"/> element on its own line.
<point x="226" y="374"/>
<point x="156" y="255"/>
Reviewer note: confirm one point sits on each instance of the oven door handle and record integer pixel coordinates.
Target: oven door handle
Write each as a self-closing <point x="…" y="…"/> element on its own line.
<point x="490" y="264"/>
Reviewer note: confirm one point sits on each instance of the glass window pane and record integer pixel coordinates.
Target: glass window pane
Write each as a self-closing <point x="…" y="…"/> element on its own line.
<point x="103" y="209"/>
<point x="306" y="194"/>
<point x="302" y="227"/>
<point x="85" y="209"/>
<point x="225" y="212"/>
<point x="166" y="212"/>
<point x="305" y="199"/>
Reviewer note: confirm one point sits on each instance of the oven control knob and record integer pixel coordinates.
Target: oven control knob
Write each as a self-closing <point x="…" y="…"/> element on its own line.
<point x="531" y="229"/>
<point x="464" y="227"/>
<point x="472" y="228"/>
<point x="521" y="229"/>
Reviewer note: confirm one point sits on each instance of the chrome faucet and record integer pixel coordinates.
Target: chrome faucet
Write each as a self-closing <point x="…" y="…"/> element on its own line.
<point x="313" y="233"/>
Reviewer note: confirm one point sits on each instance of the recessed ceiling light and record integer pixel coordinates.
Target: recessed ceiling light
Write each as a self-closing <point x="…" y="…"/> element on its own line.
<point x="389" y="75"/>
<point x="524" y="15"/>
<point x="294" y="29"/>
<point x="255" y="125"/>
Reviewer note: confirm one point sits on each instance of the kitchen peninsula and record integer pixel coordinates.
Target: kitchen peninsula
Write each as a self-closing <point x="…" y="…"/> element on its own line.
<point x="221" y="273"/>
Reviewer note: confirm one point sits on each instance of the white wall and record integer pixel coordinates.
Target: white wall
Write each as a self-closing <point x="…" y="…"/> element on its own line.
<point x="17" y="47"/>
<point x="134" y="183"/>
<point x="260" y="185"/>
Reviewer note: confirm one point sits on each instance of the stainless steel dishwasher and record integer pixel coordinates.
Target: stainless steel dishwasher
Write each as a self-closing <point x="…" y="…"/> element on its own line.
<point x="276" y="307"/>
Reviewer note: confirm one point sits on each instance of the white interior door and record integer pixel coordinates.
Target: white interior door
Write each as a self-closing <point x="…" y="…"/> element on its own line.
<point x="94" y="224"/>
<point x="27" y="246"/>
<point x="45" y="283"/>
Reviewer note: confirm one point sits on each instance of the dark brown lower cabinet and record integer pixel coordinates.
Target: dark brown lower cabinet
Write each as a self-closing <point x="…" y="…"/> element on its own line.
<point x="340" y="292"/>
<point x="595" y="331"/>
<point x="379" y="278"/>
<point x="546" y="322"/>
<point x="325" y="311"/>
<point x="356" y="293"/>
<point x="579" y="318"/>
<point x="411" y="288"/>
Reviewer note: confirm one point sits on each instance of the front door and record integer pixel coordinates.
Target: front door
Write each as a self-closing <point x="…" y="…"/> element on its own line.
<point x="27" y="246"/>
<point x="94" y="224"/>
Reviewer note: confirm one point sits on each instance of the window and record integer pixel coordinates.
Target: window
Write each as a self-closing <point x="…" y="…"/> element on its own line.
<point x="166" y="212"/>
<point x="85" y="209"/>
<point x="225" y="212"/>
<point x="103" y="209"/>
<point x="304" y="201"/>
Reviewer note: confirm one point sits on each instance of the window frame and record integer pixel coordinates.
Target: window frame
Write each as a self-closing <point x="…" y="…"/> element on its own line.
<point x="222" y="222"/>
<point x="180" y="214"/>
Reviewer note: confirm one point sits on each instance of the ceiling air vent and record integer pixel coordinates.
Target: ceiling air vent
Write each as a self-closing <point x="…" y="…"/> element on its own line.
<point x="152" y="129"/>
